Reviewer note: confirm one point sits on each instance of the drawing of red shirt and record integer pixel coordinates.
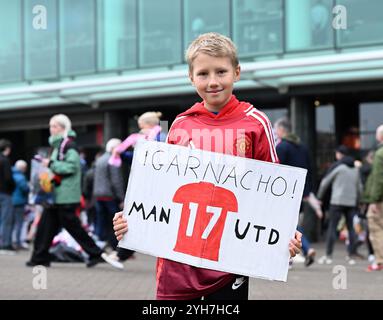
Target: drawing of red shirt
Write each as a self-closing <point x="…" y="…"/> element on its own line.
<point x="203" y="217"/>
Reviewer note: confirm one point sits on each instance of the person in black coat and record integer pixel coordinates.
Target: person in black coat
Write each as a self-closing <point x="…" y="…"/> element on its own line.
<point x="292" y="152"/>
<point x="7" y="187"/>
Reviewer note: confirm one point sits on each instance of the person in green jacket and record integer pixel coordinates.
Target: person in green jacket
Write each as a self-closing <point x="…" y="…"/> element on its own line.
<point x="64" y="163"/>
<point x="374" y="196"/>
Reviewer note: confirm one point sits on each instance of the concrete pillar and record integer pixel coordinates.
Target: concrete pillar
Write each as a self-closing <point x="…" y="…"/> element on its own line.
<point x="302" y="115"/>
<point x="113" y="126"/>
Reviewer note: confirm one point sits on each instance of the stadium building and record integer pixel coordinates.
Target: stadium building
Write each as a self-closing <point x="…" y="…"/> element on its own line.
<point x="103" y="62"/>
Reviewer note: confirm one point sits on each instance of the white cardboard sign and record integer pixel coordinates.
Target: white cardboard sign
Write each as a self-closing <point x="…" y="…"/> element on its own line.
<point x="212" y="210"/>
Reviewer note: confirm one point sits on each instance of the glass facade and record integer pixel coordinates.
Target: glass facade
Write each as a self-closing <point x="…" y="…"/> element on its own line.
<point x="258" y="26"/>
<point x="370" y="117"/>
<point x="159" y="32"/>
<point x="91" y="36"/>
<point x="326" y="144"/>
<point x="198" y="18"/>
<point x="40" y="39"/>
<point x="77" y="37"/>
<point x="117" y="34"/>
<point x="309" y="24"/>
<point x="364" y="23"/>
<point x="10" y="45"/>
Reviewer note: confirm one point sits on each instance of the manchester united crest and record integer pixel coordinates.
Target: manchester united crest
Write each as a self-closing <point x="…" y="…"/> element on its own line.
<point x="242" y="145"/>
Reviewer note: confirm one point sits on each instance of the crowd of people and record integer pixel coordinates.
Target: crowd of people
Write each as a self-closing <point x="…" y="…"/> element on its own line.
<point x="349" y="184"/>
<point x="62" y="189"/>
<point x="354" y="190"/>
<point x="65" y="206"/>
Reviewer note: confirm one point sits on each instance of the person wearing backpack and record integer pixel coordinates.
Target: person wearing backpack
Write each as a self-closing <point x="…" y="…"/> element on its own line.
<point x="64" y="163"/>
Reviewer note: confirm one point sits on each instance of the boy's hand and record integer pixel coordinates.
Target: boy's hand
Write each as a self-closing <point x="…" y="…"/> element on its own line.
<point x="120" y="225"/>
<point x="295" y="244"/>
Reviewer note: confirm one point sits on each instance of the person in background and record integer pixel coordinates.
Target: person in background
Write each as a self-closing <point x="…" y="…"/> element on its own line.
<point x="374" y="197"/>
<point x="83" y="164"/>
<point x="365" y="170"/>
<point x="292" y="152"/>
<point x="7" y="185"/>
<point x="109" y="191"/>
<point x="19" y="198"/>
<point x="87" y="192"/>
<point x="340" y="152"/>
<point x="150" y="129"/>
<point x="64" y="162"/>
<point x="346" y="189"/>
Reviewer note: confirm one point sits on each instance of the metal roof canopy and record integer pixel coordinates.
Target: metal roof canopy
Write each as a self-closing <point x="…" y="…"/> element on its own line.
<point x="278" y="74"/>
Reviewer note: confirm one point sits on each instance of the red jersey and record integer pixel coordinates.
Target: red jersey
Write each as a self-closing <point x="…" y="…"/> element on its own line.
<point x="238" y="129"/>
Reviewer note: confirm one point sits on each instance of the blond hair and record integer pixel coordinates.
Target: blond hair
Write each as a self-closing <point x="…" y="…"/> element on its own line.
<point x="111" y="144"/>
<point x="63" y="121"/>
<point x="150" y="117"/>
<point x="379" y="132"/>
<point x="21" y="165"/>
<point x="214" y="45"/>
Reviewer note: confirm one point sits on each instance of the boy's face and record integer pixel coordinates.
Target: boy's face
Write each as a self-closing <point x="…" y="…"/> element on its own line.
<point x="213" y="79"/>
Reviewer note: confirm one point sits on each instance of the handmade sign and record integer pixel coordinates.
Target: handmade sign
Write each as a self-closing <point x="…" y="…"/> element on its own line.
<point x="212" y="210"/>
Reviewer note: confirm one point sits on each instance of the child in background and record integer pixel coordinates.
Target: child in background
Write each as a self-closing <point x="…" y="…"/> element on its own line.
<point x="149" y="130"/>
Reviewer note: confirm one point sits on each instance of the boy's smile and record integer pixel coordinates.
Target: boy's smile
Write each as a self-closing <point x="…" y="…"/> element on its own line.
<point x="214" y="78"/>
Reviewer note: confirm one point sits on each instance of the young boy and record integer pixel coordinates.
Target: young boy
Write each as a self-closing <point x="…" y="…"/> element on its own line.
<point x="242" y="131"/>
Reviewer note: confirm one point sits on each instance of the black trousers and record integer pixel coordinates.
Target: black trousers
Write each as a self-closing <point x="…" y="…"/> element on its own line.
<point x="124" y="254"/>
<point x="52" y="220"/>
<point x="107" y="210"/>
<point x="336" y="213"/>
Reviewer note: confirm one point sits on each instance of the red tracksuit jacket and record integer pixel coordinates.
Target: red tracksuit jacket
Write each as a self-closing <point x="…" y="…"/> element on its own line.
<point x="238" y="129"/>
